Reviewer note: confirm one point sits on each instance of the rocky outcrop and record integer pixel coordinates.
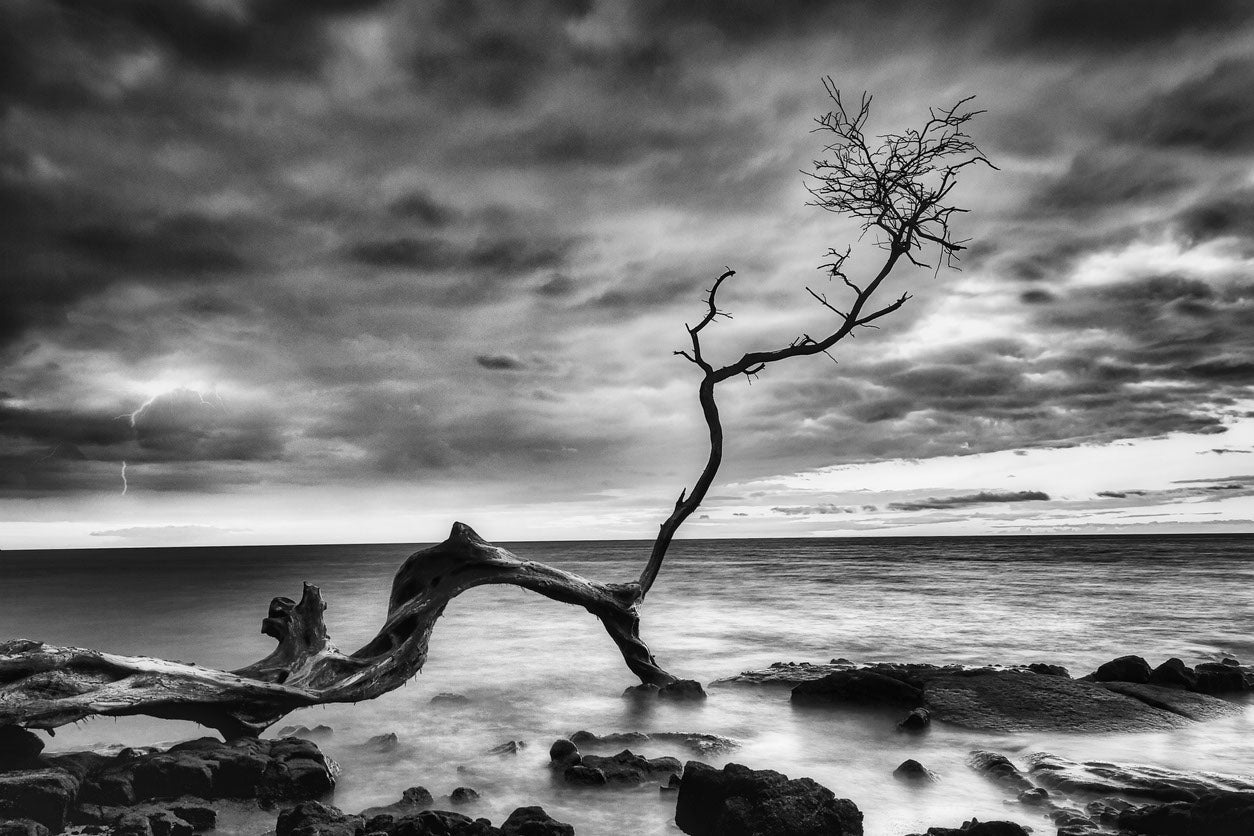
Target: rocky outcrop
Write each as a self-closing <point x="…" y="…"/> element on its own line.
<point x="859" y="687"/>
<point x="624" y="769"/>
<point x="698" y="742"/>
<point x="1214" y="814"/>
<point x="911" y="772"/>
<point x="738" y="801"/>
<point x="978" y="828"/>
<point x="85" y="787"/>
<point x="312" y="818"/>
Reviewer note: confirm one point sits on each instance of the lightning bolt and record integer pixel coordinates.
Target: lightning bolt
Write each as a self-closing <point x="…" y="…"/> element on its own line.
<point x="134" y="416"/>
<point x="124" y="485"/>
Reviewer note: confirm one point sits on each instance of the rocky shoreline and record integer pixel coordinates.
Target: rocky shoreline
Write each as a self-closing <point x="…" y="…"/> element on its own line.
<point x="150" y="792"/>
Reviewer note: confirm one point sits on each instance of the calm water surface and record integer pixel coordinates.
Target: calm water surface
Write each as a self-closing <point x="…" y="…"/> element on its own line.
<point x="535" y="670"/>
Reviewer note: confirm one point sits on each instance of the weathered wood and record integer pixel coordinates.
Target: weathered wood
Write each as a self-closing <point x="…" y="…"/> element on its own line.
<point x="45" y="687"/>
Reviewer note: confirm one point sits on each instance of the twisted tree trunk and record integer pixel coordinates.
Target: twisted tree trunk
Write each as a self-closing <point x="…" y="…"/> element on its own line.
<point x="47" y="687"/>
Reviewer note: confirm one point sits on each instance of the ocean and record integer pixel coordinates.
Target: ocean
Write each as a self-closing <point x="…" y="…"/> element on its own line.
<point x="534" y="670"/>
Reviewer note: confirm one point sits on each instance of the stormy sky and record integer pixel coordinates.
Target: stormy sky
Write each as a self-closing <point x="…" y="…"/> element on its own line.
<point x="349" y="270"/>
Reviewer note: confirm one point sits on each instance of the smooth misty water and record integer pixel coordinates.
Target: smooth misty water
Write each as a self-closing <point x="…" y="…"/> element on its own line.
<point x="535" y="670"/>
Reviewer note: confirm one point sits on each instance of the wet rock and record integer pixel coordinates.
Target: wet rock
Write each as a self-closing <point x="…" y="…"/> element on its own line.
<point x="858" y="687"/>
<point x="1174" y="674"/>
<point x="999" y="769"/>
<point x="509" y="747"/>
<point x="533" y="821"/>
<point x="1129" y="781"/>
<point x="1036" y="797"/>
<point x="916" y="721"/>
<point x="22" y="827"/>
<point x="1218" y="678"/>
<point x="1187" y="704"/>
<point x="641" y="690"/>
<point x="625" y="768"/>
<point x="911" y="771"/>
<point x="975" y="827"/>
<point x="682" y="689"/>
<point x="580" y="738"/>
<point x="449" y="698"/>
<point x="42" y="795"/>
<point x="1048" y="670"/>
<point x="412" y="801"/>
<point x="1123" y="669"/>
<point x="463" y="795"/>
<point x="387" y="742"/>
<point x="1214" y="814"/>
<point x="319" y="732"/>
<point x="313" y="818"/>
<point x="698" y="742"/>
<point x="19" y="747"/>
<point x="739" y="800"/>
<point x="564" y="753"/>
<point x="787" y="674"/>
<point x="672" y="785"/>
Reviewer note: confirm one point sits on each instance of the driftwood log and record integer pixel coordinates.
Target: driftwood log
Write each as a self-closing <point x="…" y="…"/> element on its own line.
<point x="899" y="192"/>
<point x="45" y="687"/>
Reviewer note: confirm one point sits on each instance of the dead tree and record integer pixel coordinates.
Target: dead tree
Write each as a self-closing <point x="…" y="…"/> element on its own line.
<point x="898" y="187"/>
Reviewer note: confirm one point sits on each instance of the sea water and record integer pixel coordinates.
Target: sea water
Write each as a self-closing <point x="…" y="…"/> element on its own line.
<point x="534" y="670"/>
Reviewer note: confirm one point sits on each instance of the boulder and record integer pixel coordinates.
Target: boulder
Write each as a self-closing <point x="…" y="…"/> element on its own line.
<point x="1048" y="670"/>
<point x="563" y="753"/>
<point x="979" y="828"/>
<point x="916" y="721"/>
<point x="1218" y="678"/>
<point x="911" y="771"/>
<point x="449" y="698"/>
<point x="999" y="769"/>
<point x="509" y="747"/>
<point x="412" y="801"/>
<point x="858" y="687"/>
<point x="42" y="795"/>
<point x="1123" y="669"/>
<point x="624" y="769"/>
<point x="738" y="801"/>
<point x="386" y="742"/>
<point x="533" y="821"/>
<point x="1174" y="674"/>
<point x="1214" y="814"/>
<point x="19" y="747"/>
<point x="320" y="732"/>
<point x="463" y="795"/>
<point x="682" y="689"/>
<point x="313" y="818"/>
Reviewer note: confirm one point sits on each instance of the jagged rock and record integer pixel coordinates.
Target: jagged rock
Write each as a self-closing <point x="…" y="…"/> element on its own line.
<point x="42" y="795"/>
<point x="1174" y="674"/>
<point x="912" y="771"/>
<point x="22" y="827"/>
<point x="682" y="689"/>
<point x="625" y="768"/>
<point x="463" y="795"/>
<point x="313" y="818"/>
<point x="699" y="742"/>
<point x="858" y="687"/>
<point x="616" y="739"/>
<point x="1214" y="814"/>
<point x="1034" y="797"/>
<point x="739" y="800"/>
<point x="1218" y="678"/>
<point x="998" y="768"/>
<point x="564" y="753"/>
<point x="533" y="821"/>
<point x="1123" y="669"/>
<point x="18" y="747"/>
<point x="916" y="721"/>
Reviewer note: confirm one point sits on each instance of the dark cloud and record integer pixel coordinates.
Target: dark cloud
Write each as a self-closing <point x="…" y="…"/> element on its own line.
<point x="1122" y="23"/>
<point x="500" y="362"/>
<point x="809" y="510"/>
<point x="982" y="498"/>
<point x="1108" y="179"/>
<point x="1212" y="112"/>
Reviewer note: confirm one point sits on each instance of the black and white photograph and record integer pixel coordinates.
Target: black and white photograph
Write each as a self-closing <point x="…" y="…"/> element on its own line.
<point x="599" y="417"/>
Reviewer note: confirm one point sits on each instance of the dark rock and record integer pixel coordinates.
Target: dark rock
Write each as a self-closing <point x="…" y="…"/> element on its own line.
<point x="672" y="784"/>
<point x="913" y="771"/>
<point x="132" y="824"/>
<point x="980" y="828"/>
<point x="533" y="821"/>
<point x="18" y="747"/>
<point x="698" y="742"/>
<point x="564" y="753"/>
<point x="682" y="689"/>
<point x="172" y="774"/>
<point x="297" y="770"/>
<point x="916" y="721"/>
<point x="320" y="732"/>
<point x="1218" y="678"/>
<point x="463" y="795"/>
<point x="625" y="768"/>
<point x="580" y="738"/>
<point x="1228" y="660"/>
<point x="1174" y="674"/>
<point x="1131" y="781"/>
<point x="585" y="776"/>
<point x="412" y="801"/>
<point x="787" y="674"/>
<point x="1123" y="669"/>
<point x="441" y="823"/>
<point x="43" y="795"/>
<point x="383" y="742"/>
<point x="1187" y="704"/>
<point x="313" y="818"/>
<point x="1048" y="670"/>
<point x="998" y="768"/>
<point x="858" y="687"/>
<point x="22" y="827"/>
<point x="738" y="801"/>
<point x="1214" y="814"/>
<point x="509" y="747"/>
<point x="641" y="690"/>
<point x="1034" y="797"/>
<point x="448" y="698"/>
